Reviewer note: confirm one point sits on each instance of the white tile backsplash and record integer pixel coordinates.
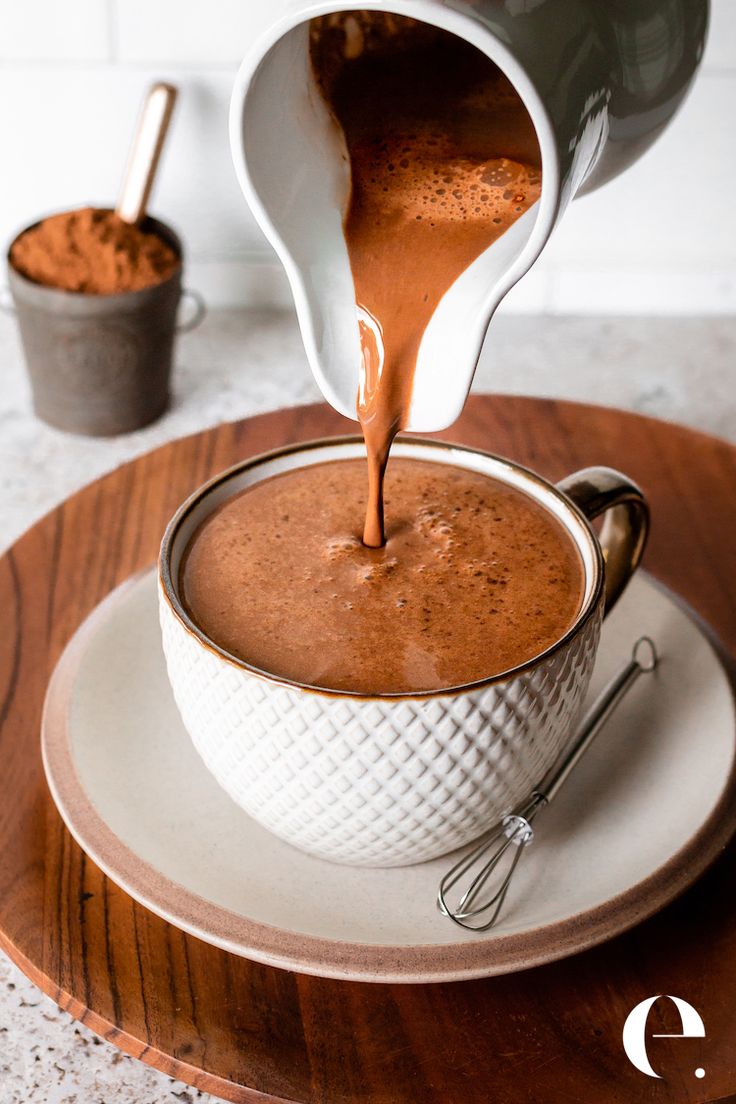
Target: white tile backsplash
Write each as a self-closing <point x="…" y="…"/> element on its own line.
<point x="664" y="291"/>
<point x="83" y="119"/>
<point x="165" y="31"/>
<point x="674" y="206"/>
<point x="41" y="30"/>
<point x="661" y="238"/>
<point x="720" y="48"/>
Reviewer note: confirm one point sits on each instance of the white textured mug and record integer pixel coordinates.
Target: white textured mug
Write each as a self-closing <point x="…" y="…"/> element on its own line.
<point x="393" y="779"/>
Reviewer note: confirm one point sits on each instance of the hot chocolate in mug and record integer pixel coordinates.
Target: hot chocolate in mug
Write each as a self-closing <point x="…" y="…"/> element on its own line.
<point x="393" y="779"/>
<point x="599" y="82"/>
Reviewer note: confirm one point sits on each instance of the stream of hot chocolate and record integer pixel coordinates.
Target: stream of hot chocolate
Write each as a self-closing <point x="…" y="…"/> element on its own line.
<point x="443" y="159"/>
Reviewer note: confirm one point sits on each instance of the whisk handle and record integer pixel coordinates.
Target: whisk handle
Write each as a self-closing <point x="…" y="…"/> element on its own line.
<point x="643" y="660"/>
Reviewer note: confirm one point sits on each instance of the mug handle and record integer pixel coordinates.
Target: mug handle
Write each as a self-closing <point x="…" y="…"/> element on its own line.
<point x="200" y="311"/>
<point x="597" y="491"/>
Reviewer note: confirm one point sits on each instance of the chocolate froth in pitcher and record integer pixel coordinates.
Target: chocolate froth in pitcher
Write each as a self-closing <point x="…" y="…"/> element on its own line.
<point x="443" y="160"/>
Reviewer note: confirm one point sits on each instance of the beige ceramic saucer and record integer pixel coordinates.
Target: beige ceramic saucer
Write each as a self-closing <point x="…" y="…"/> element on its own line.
<point x="644" y="813"/>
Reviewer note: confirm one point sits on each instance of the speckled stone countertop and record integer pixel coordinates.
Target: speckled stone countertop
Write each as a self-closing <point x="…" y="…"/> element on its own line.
<point x="241" y="363"/>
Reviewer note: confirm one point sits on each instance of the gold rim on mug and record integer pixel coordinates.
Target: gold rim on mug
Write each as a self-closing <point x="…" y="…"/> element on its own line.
<point x="599" y="491"/>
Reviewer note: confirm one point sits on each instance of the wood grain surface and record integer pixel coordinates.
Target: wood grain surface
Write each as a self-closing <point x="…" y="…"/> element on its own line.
<point x="252" y="1033"/>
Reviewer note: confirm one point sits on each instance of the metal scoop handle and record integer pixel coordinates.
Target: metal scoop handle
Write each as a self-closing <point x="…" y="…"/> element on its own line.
<point x="145" y="152"/>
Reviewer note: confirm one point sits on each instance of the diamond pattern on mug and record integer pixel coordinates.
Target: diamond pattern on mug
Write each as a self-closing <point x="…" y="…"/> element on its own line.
<point x="381" y="782"/>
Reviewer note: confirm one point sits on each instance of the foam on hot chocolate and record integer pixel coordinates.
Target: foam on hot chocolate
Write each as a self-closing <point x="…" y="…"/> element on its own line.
<point x="475" y="578"/>
<point x="418" y="177"/>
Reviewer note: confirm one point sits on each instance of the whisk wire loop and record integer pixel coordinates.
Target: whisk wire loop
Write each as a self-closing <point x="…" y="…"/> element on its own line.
<point x="515" y="829"/>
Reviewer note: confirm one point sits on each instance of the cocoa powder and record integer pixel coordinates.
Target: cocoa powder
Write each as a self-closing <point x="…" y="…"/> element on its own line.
<point x="92" y="251"/>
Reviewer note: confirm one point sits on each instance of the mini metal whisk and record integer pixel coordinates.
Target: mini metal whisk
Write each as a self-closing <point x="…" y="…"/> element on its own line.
<point x="507" y="841"/>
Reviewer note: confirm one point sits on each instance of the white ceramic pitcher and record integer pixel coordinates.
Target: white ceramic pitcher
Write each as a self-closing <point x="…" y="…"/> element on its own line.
<point x="600" y="80"/>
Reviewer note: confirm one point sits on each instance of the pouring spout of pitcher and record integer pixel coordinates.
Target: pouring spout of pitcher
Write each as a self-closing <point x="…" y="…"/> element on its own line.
<point x="453" y="339"/>
<point x="293" y="166"/>
<point x="592" y="116"/>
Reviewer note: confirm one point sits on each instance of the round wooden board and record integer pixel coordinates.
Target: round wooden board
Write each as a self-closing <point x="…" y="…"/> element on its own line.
<point x="248" y="1032"/>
